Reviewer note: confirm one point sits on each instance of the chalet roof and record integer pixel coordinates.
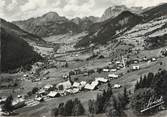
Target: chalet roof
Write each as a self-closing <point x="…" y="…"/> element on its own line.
<point x="76" y="84"/>
<point x="18" y="101"/>
<point x="41" y="91"/>
<point x="89" y="87"/>
<point x="52" y="94"/>
<point x="113" y="76"/>
<point x="117" y="86"/>
<point x="94" y="83"/>
<point x="66" y="85"/>
<point x="48" y="86"/>
<point x="100" y="79"/>
<point x="83" y="83"/>
<point x="113" y="70"/>
<point x="106" y="70"/>
<point x="75" y="90"/>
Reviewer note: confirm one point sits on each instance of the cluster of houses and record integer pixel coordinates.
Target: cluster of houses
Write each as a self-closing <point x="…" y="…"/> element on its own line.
<point x="68" y="87"/>
<point x="135" y="62"/>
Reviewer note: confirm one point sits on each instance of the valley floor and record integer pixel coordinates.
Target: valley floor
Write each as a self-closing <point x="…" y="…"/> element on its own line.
<point x="127" y="79"/>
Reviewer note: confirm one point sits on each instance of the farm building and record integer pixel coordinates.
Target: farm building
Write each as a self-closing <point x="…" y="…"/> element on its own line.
<point x="89" y="87"/>
<point x="64" y="85"/>
<point x="113" y="76"/>
<point x="153" y="59"/>
<point x="72" y="91"/>
<point x="113" y="70"/>
<point x="18" y="103"/>
<point x="116" y="86"/>
<point x="92" y="86"/>
<point x="106" y="70"/>
<point x="53" y="94"/>
<point x="117" y="62"/>
<point x="75" y="90"/>
<point x="83" y="83"/>
<point x="135" y="67"/>
<point x="103" y="80"/>
<point x="48" y="86"/>
<point x="42" y="92"/>
<point x="76" y="84"/>
<point x="95" y="83"/>
<point x="40" y="99"/>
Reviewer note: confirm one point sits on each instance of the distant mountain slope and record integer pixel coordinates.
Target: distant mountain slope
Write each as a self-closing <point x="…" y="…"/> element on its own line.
<point x="156" y="42"/>
<point x="15" y="52"/>
<point x="114" y="11"/>
<point x="85" y="23"/>
<point x="48" y="24"/>
<point x="155" y="12"/>
<point x="129" y="26"/>
<point x="111" y="29"/>
<point x="30" y="38"/>
<point x="142" y="34"/>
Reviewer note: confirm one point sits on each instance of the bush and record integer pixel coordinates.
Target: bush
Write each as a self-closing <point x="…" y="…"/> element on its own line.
<point x="78" y="108"/>
<point x="92" y="107"/>
<point x="7" y="107"/>
<point x="55" y="112"/>
<point x="114" y="108"/>
<point x="140" y="98"/>
<point x="68" y="108"/>
<point x="29" y="93"/>
<point x="71" y="108"/>
<point x="61" y="109"/>
<point x="34" y="90"/>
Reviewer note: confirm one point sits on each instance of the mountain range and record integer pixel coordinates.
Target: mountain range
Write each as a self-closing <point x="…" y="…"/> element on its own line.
<point x="47" y="25"/>
<point x="28" y="37"/>
<point x="112" y="28"/>
<point x="114" y="11"/>
<point x="53" y="24"/>
<point x="147" y="26"/>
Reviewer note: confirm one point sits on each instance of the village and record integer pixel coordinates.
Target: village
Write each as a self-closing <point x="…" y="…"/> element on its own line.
<point x="39" y="85"/>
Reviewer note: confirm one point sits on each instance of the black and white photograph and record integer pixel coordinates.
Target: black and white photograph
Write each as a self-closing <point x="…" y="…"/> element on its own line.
<point x="83" y="58"/>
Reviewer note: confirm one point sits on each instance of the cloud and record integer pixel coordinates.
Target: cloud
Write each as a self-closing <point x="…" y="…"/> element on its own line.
<point x="23" y="9"/>
<point x="13" y="5"/>
<point x="2" y="5"/>
<point x="34" y="4"/>
<point x="144" y="3"/>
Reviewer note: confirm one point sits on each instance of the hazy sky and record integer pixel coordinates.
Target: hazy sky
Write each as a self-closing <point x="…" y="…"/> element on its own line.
<point x="23" y="9"/>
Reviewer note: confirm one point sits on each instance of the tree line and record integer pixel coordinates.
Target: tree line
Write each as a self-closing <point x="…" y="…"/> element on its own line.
<point x="70" y="108"/>
<point x="150" y="86"/>
<point x="112" y="105"/>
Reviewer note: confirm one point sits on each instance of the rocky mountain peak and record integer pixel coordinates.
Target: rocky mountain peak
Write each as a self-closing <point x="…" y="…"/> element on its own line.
<point x="113" y="11"/>
<point x="51" y="15"/>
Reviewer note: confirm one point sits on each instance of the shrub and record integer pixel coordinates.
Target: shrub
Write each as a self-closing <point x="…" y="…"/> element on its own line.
<point x="7" y="107"/>
<point x="78" y="108"/>
<point x="55" y="112"/>
<point x="68" y="108"/>
<point x="34" y="90"/>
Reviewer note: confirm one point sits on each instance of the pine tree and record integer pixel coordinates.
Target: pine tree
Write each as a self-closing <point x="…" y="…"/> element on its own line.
<point x="68" y="108"/>
<point x="78" y="108"/>
<point x="99" y="103"/>
<point x="92" y="107"/>
<point x="61" y="109"/>
<point x="125" y="94"/>
<point x="7" y="107"/>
